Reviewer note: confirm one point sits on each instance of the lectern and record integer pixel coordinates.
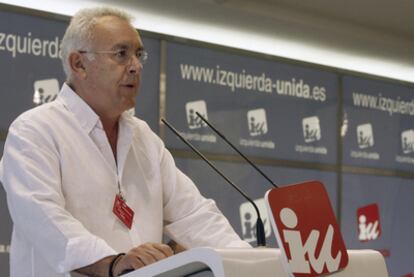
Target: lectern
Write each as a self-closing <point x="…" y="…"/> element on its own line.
<point x="263" y="262"/>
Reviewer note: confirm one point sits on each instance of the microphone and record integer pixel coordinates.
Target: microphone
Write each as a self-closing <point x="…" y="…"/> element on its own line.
<point x="237" y="150"/>
<point x="260" y="233"/>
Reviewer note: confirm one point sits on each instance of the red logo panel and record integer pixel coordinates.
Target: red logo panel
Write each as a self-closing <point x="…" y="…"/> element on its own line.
<point x="368" y="222"/>
<point x="306" y="229"/>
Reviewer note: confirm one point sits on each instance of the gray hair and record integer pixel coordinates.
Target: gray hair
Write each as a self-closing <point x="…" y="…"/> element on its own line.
<point x="78" y="35"/>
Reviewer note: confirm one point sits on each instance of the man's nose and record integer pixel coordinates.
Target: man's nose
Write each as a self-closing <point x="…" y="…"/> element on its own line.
<point x="135" y="66"/>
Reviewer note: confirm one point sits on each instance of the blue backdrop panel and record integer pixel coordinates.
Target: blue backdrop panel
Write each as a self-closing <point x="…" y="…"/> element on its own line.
<point x="147" y="105"/>
<point x="233" y="205"/>
<point x="269" y="109"/>
<point x="393" y="234"/>
<point x="29" y="58"/>
<point x="30" y="62"/>
<point x="380" y="124"/>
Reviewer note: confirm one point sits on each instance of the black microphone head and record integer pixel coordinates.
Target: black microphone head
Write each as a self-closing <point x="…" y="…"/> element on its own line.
<point x="260" y="233"/>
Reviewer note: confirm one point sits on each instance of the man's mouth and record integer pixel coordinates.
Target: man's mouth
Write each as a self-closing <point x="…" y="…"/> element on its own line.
<point x="130" y="85"/>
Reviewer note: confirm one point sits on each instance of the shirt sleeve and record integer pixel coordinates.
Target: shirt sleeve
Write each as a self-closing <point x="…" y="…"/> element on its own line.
<point x="31" y="177"/>
<point x="191" y="219"/>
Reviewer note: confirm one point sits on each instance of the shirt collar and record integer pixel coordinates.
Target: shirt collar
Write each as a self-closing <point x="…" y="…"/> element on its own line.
<point x="80" y="109"/>
<point x="84" y="113"/>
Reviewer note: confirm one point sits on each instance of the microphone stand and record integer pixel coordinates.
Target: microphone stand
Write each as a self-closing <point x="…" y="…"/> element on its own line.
<point x="260" y="233"/>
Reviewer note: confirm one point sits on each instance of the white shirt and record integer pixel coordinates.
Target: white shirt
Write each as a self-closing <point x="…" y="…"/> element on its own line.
<point x="61" y="179"/>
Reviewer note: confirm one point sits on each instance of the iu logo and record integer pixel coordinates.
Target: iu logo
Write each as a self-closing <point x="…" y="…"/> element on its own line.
<point x="194" y="122"/>
<point x="365" y="136"/>
<point x="45" y="91"/>
<point x="407" y="141"/>
<point x="368" y="220"/>
<point x="306" y="229"/>
<point x="257" y="122"/>
<point x="248" y="218"/>
<point x="311" y="129"/>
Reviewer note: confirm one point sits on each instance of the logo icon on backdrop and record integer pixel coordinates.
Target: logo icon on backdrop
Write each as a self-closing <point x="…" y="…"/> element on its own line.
<point x="311" y="129"/>
<point x="248" y="218"/>
<point x="407" y="141"/>
<point x="365" y="135"/>
<point x="45" y="91"/>
<point x="194" y="122"/>
<point x="257" y="122"/>
<point x="368" y="220"/>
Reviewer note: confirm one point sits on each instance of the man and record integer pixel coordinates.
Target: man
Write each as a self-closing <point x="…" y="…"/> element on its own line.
<point x="86" y="181"/>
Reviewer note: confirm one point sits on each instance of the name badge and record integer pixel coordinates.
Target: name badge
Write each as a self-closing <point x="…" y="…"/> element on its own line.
<point x="122" y="211"/>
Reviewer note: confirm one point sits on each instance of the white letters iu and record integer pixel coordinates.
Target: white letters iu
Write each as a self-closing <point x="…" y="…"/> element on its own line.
<point x="367" y="231"/>
<point x="298" y="250"/>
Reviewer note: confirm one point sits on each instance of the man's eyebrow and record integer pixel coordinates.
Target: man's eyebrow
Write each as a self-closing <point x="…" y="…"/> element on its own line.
<point x="120" y="46"/>
<point x="126" y="46"/>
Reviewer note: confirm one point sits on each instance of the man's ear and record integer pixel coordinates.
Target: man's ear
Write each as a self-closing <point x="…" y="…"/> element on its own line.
<point x="76" y="62"/>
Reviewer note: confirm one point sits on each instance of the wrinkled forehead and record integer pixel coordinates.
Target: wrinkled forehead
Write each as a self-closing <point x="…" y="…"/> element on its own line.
<point x="112" y="32"/>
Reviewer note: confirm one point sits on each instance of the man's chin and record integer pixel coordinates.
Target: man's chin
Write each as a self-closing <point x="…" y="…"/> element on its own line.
<point x="129" y="104"/>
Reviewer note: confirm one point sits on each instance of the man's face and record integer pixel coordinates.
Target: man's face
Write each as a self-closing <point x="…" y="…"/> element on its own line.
<point x="113" y="85"/>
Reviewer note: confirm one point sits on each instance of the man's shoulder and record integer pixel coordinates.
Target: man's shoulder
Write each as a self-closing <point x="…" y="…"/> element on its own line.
<point x="46" y="114"/>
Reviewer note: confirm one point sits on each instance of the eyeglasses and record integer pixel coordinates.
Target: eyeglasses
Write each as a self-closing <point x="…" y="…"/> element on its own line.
<point x="122" y="56"/>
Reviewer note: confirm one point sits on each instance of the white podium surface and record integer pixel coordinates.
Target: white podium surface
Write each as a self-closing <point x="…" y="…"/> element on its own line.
<point x="263" y="262"/>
